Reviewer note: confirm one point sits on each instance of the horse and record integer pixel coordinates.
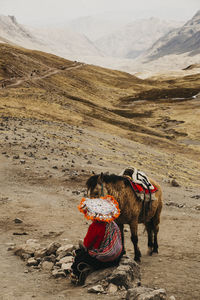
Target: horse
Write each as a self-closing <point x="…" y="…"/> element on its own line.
<point x="133" y="209"/>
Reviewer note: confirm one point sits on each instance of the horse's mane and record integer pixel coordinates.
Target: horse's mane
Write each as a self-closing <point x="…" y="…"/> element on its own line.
<point x="112" y="178"/>
<point x="92" y="182"/>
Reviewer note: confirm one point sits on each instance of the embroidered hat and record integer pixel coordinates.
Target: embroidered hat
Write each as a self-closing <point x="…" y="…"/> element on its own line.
<point x="104" y="209"/>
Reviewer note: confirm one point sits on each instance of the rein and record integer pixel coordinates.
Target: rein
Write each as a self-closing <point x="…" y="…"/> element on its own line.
<point x="102" y="192"/>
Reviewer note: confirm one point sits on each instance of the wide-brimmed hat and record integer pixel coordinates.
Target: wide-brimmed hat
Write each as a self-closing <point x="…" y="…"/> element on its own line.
<point x="105" y="209"/>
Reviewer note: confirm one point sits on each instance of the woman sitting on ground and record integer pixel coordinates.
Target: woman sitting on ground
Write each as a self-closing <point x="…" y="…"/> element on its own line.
<point x="102" y="245"/>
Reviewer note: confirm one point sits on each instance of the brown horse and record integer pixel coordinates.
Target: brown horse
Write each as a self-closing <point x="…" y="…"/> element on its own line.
<point x="133" y="210"/>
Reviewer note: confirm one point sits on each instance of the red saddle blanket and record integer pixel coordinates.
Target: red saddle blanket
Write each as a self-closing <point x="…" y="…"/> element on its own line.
<point x="140" y="189"/>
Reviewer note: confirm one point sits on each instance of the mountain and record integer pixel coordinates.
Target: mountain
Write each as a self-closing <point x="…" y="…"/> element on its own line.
<point x="174" y="51"/>
<point x="66" y="43"/>
<point x="134" y="38"/>
<point x="14" y="33"/>
<point x="97" y="26"/>
<point x="185" y="39"/>
<point x="62" y="42"/>
<point x="125" y="49"/>
<point x="3" y="40"/>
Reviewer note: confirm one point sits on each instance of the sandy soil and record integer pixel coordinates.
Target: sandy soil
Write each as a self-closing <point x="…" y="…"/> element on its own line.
<point x="43" y="169"/>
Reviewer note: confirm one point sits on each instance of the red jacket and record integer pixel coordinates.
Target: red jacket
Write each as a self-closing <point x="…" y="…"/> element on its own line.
<point x="95" y="235"/>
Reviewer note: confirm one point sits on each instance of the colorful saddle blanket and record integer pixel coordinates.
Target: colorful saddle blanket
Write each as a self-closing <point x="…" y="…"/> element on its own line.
<point x="140" y="183"/>
<point x="143" y="194"/>
<point x="140" y="189"/>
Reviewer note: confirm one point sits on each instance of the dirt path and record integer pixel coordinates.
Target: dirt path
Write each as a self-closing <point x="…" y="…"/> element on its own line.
<point x="46" y="74"/>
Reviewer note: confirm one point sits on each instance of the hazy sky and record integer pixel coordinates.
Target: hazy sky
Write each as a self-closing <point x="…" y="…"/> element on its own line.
<point x="58" y="11"/>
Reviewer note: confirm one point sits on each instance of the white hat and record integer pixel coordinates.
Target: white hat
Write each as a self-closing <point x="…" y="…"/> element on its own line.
<point x="104" y="209"/>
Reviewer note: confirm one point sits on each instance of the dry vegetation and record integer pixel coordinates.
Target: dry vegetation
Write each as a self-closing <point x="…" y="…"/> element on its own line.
<point x="105" y="98"/>
<point x="69" y="119"/>
<point x="161" y="113"/>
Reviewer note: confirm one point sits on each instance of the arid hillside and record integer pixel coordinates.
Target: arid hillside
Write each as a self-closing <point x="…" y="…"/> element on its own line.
<point x="45" y="87"/>
<point x="61" y="121"/>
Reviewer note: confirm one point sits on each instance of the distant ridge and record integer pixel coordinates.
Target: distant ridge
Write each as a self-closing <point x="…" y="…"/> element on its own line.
<point x="135" y="38"/>
<point x="129" y="49"/>
<point x="186" y="39"/>
<point x="12" y="32"/>
<point x="62" y="42"/>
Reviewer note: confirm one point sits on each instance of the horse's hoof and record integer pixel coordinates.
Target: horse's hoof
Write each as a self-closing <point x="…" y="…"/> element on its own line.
<point x="155" y="251"/>
<point x="137" y="259"/>
<point x="149" y="251"/>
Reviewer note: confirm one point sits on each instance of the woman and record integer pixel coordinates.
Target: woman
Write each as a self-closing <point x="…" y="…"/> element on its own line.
<point x="102" y="245"/>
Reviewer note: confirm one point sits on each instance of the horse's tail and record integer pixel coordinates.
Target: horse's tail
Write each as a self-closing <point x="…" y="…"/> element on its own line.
<point x="147" y="205"/>
<point x="158" y="193"/>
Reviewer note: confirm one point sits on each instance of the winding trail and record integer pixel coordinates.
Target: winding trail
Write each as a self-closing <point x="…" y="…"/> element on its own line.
<point x="48" y="73"/>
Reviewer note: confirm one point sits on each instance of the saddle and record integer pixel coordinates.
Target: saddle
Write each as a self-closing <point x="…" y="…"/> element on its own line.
<point x="140" y="184"/>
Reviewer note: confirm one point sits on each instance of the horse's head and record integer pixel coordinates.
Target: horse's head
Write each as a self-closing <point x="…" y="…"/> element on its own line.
<point x="96" y="186"/>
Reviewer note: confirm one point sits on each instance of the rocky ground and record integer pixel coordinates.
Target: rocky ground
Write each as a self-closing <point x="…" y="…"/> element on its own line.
<point x="43" y="169"/>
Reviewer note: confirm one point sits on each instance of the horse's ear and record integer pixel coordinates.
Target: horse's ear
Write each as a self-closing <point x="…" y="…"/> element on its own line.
<point x="100" y="178"/>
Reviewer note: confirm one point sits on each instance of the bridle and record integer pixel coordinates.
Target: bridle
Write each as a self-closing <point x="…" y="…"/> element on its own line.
<point x="102" y="192"/>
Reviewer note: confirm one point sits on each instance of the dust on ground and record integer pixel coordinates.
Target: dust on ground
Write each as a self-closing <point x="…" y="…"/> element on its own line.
<point x="43" y="169"/>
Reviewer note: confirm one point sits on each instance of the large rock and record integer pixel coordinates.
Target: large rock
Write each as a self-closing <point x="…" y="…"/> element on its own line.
<point x="175" y="183"/>
<point x="65" y="260"/>
<point x="66" y="267"/>
<point x="40" y="253"/>
<point x="143" y="293"/>
<point x="28" y="248"/>
<point x="112" y="288"/>
<point x="64" y="250"/>
<point x="52" y="248"/>
<point x="51" y="258"/>
<point x="58" y="273"/>
<point x="32" y="262"/>
<point x="99" y="276"/>
<point x="122" y="276"/>
<point x="96" y="289"/>
<point x="126" y="275"/>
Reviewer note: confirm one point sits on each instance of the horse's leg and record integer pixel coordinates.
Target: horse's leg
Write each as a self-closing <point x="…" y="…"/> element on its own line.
<point x="134" y="239"/>
<point x="149" y="228"/>
<point x="155" y="228"/>
<point x="155" y="240"/>
<point x="121" y="227"/>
